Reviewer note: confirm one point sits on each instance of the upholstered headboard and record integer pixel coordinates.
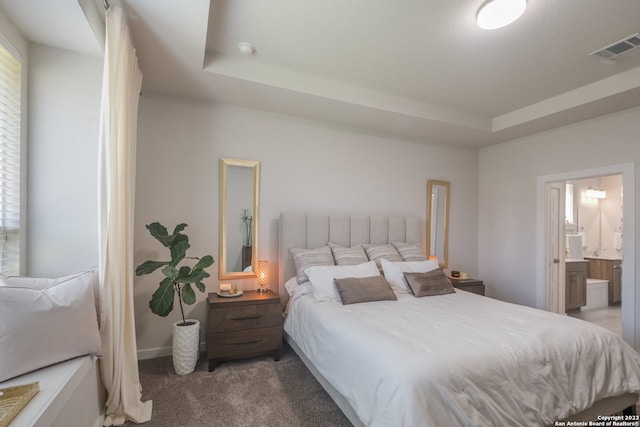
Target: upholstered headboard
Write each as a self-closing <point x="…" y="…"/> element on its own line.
<point x="314" y="230"/>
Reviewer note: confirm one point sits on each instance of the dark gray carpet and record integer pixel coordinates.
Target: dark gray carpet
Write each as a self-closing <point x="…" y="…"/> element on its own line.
<point x="251" y="392"/>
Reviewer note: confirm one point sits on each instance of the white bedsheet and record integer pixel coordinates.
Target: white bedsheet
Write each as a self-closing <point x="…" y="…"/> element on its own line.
<point x="460" y="360"/>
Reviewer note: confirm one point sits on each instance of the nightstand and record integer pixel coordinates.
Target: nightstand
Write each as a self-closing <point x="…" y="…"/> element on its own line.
<point x="245" y="326"/>
<point x="470" y="285"/>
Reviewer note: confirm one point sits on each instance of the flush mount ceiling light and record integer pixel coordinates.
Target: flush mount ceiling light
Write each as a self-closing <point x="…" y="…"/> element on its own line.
<point x="499" y="13"/>
<point x="246" y="48"/>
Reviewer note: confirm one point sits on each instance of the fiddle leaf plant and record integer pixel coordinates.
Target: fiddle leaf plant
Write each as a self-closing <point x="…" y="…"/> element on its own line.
<point x="178" y="279"/>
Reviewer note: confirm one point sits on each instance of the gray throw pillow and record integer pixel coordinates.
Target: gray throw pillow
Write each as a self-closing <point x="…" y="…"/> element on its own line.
<point x="434" y="282"/>
<point x="348" y="256"/>
<point x="377" y="252"/>
<point x="409" y="252"/>
<point x="353" y="290"/>
<point x="305" y="258"/>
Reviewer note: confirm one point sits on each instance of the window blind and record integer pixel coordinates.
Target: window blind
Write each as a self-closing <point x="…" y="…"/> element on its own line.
<point x="10" y="72"/>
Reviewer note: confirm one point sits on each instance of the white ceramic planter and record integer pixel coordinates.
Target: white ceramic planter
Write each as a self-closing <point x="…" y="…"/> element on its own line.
<point x="186" y="345"/>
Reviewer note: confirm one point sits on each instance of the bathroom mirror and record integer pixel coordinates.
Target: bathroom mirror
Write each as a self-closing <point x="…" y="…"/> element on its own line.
<point x="438" y="220"/>
<point x="239" y="196"/>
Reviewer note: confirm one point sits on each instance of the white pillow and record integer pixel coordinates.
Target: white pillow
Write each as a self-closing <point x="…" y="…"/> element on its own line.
<point x="44" y="327"/>
<point x="295" y="290"/>
<point x="394" y="272"/>
<point x="291" y="286"/>
<point x="321" y="278"/>
<point x="90" y="277"/>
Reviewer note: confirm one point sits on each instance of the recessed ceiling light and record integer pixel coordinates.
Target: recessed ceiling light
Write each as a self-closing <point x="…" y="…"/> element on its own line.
<point x="499" y="13"/>
<point x="246" y="48"/>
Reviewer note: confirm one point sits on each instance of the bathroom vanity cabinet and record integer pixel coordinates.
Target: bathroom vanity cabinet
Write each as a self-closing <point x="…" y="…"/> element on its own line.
<point x="608" y="269"/>
<point x="575" y="284"/>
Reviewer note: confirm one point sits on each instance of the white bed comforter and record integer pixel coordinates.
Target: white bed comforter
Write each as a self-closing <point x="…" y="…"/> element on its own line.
<point x="460" y="360"/>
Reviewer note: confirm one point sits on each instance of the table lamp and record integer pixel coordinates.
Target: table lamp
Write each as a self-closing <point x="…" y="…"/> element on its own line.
<point x="263" y="276"/>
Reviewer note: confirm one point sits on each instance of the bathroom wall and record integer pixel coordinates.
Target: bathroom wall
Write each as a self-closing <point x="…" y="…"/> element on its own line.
<point x="599" y="219"/>
<point x="508" y="204"/>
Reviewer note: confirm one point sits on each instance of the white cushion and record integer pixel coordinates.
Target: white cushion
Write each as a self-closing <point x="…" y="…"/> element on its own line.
<point x="90" y="277"/>
<point x="291" y="286"/>
<point x="41" y="327"/>
<point x="321" y="278"/>
<point x="394" y="272"/>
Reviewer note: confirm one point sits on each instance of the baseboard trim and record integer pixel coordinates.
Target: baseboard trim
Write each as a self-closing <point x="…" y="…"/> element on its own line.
<point x="152" y="353"/>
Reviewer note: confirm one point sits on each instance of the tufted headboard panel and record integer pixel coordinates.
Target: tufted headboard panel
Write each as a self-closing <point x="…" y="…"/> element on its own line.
<point x="313" y="230"/>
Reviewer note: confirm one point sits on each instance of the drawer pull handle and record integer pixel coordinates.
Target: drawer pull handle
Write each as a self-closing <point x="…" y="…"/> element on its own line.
<point x="246" y="342"/>
<point x="247" y="317"/>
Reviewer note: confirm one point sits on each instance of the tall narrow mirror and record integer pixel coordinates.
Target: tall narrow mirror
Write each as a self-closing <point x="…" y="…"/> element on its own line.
<point x="239" y="196"/>
<point x="438" y="220"/>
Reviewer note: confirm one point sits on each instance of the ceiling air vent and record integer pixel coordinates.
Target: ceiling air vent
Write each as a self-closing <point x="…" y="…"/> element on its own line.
<point x="618" y="48"/>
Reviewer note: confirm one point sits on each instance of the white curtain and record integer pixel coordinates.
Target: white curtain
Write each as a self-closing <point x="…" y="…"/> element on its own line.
<point x="121" y="85"/>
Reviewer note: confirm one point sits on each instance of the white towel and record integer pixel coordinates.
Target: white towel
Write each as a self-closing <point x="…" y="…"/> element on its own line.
<point x="574" y="245"/>
<point x="617" y="241"/>
<point x="583" y="237"/>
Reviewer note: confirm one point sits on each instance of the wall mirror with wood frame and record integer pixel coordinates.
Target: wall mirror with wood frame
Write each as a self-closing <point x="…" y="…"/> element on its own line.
<point x="438" y="220"/>
<point x="239" y="213"/>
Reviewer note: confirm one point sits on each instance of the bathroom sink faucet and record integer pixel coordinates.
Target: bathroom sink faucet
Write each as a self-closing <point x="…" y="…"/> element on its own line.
<point x="596" y="252"/>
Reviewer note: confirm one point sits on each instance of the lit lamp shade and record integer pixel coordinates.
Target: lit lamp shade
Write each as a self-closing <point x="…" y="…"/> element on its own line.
<point x="263" y="276"/>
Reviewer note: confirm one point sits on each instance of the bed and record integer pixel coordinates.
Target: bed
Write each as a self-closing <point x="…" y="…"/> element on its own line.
<point x="452" y="359"/>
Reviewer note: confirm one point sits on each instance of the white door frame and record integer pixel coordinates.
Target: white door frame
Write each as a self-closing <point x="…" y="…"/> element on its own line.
<point x="629" y="286"/>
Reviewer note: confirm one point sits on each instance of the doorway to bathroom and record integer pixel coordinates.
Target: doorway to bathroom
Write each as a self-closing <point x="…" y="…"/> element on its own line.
<point x="594" y="224"/>
<point x="602" y="243"/>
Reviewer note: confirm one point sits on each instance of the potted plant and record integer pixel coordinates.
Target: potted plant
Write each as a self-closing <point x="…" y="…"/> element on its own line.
<point x="179" y="280"/>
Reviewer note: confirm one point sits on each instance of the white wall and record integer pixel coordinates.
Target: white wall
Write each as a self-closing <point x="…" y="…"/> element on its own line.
<point x="493" y="232"/>
<point x="305" y="166"/>
<point x="508" y="174"/>
<point x="64" y="108"/>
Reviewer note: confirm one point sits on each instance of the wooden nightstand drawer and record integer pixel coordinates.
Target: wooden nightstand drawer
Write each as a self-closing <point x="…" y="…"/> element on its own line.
<point x="243" y="343"/>
<point x="469" y="285"/>
<point x="244" y="317"/>
<point x="247" y="325"/>
<point x="476" y="289"/>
